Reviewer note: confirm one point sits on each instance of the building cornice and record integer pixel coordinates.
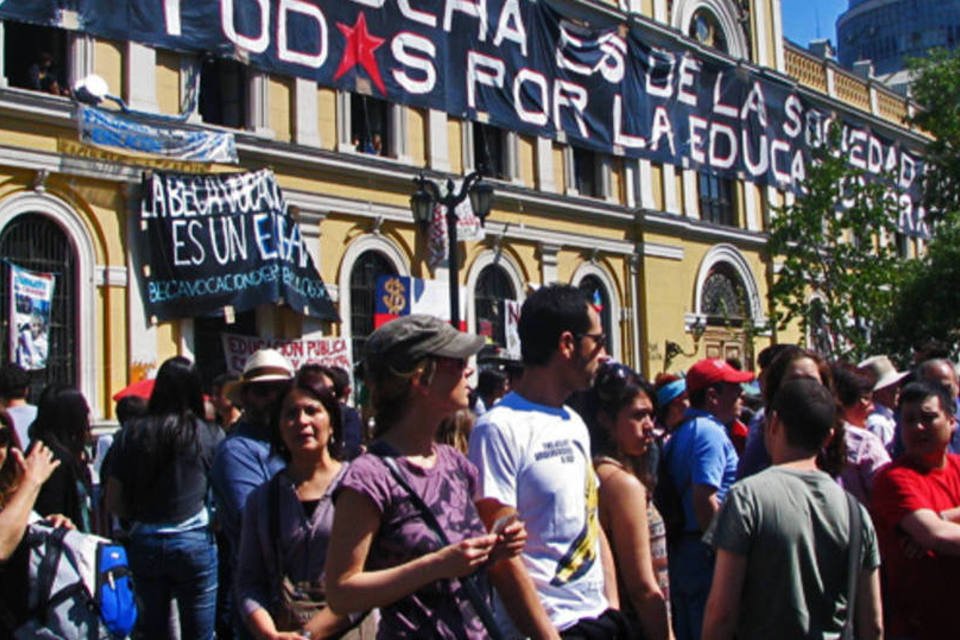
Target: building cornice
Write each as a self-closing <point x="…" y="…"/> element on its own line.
<point x="697" y="230"/>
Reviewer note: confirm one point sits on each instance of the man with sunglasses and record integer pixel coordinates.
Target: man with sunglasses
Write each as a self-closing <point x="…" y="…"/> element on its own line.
<point x="533" y="454"/>
<point x="243" y="460"/>
<point x="701" y="464"/>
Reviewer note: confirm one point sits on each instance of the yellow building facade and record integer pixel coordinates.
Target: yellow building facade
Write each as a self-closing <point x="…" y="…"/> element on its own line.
<point x="668" y="252"/>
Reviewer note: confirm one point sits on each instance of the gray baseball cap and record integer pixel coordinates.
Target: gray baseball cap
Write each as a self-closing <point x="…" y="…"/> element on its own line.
<point x="403" y="342"/>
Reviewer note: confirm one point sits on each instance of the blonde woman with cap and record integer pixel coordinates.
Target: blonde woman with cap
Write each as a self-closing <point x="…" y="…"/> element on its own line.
<point x="406" y="535"/>
<point x="244" y="460"/>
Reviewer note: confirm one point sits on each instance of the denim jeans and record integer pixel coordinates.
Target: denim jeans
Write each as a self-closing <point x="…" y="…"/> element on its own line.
<point x="691" y="572"/>
<point x="177" y="565"/>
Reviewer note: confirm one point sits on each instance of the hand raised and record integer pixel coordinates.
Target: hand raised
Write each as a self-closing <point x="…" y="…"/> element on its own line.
<point x="463" y="558"/>
<point x="38" y="465"/>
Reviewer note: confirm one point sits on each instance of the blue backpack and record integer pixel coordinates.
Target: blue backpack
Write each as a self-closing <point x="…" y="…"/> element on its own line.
<point x="79" y="586"/>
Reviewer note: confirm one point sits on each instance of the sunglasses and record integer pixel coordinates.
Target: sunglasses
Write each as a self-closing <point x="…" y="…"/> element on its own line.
<point x="599" y="339"/>
<point x="5" y="438"/>
<point x="267" y="390"/>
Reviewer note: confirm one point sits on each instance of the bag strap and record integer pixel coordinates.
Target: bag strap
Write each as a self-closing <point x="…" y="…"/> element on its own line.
<point x="470" y="588"/>
<point x="273" y="509"/>
<point x="853" y="565"/>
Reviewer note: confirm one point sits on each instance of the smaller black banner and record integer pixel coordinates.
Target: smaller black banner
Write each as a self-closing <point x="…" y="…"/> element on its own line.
<point x="215" y="240"/>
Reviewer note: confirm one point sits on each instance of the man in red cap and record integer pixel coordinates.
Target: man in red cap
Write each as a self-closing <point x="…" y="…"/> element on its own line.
<point x="702" y="464"/>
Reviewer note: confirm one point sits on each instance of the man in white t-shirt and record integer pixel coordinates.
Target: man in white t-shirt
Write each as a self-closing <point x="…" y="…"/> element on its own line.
<point x="533" y="453"/>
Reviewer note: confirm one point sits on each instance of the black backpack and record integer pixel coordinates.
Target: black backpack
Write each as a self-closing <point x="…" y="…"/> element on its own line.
<point x="668" y="500"/>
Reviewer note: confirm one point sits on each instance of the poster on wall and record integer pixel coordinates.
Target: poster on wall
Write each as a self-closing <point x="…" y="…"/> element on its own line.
<point x="330" y="352"/>
<point x="404" y="295"/>
<point x="212" y="241"/>
<point x="31" y="296"/>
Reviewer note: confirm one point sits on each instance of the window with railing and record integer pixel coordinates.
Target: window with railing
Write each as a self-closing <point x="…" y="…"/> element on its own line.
<point x="224" y="88"/>
<point x="490" y="151"/>
<point x="600" y="299"/>
<point x="363" y="287"/>
<point x="36" y="242"/>
<point x="586" y="173"/>
<point x="370" y="125"/>
<point x="492" y="289"/>
<point x="36" y="57"/>
<point x="716" y="200"/>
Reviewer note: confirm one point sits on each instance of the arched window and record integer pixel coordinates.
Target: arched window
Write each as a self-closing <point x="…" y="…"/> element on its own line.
<point x="36" y="242"/>
<point x="705" y="28"/>
<point x="724" y="298"/>
<point x="493" y="287"/>
<point x="600" y="298"/>
<point x="363" y="286"/>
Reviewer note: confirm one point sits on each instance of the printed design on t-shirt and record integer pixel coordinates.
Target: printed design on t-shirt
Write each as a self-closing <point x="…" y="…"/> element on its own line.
<point x="562" y="449"/>
<point x="582" y="552"/>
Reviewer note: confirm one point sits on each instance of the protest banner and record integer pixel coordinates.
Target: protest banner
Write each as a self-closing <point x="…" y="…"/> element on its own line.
<point x="210" y="241"/>
<point x="614" y="86"/>
<point x="331" y="352"/>
<point x="31" y="296"/>
<point x="166" y="138"/>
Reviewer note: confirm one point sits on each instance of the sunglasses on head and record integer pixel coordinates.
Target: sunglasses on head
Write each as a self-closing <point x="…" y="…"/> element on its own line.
<point x="613" y="376"/>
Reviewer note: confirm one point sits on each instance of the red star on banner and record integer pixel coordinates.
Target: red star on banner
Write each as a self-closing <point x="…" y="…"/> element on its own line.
<point x="359" y="50"/>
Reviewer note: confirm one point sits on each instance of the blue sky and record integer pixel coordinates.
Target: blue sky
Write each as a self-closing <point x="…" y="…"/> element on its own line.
<point x="806" y="20"/>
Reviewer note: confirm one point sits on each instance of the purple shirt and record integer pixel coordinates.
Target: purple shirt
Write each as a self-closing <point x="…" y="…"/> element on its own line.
<point x="303" y="542"/>
<point x="440" y="609"/>
<point x="865" y="455"/>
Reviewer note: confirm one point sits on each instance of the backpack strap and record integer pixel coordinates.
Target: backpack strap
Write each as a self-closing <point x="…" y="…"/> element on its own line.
<point x="853" y="565"/>
<point x="47" y="570"/>
<point x="470" y="588"/>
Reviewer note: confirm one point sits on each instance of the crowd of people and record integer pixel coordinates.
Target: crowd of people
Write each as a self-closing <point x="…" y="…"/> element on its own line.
<point x="573" y="499"/>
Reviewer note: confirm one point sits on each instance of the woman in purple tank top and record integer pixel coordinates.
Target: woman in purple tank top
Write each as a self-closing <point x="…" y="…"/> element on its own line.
<point x="383" y="553"/>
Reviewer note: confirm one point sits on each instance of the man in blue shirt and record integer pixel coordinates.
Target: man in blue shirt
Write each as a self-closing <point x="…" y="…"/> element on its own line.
<point x="243" y="461"/>
<point x="702" y="464"/>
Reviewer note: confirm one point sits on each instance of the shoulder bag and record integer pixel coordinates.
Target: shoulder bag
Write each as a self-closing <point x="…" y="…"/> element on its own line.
<point x="470" y="588"/>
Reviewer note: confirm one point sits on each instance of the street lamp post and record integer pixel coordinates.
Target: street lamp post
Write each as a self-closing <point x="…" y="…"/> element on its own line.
<point x="673" y="349"/>
<point x="421" y="204"/>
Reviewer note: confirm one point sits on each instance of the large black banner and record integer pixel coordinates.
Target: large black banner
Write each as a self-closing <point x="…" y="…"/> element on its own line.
<point x="223" y="240"/>
<point x="521" y="65"/>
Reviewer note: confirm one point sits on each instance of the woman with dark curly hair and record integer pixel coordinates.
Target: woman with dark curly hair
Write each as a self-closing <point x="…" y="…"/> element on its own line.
<point x="287" y="520"/>
<point x="158" y="481"/>
<point x="621" y="422"/>
<point x="63" y="425"/>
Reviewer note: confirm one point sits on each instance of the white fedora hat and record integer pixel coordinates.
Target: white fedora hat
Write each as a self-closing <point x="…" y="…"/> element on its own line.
<point x="265" y="365"/>
<point x="882" y="370"/>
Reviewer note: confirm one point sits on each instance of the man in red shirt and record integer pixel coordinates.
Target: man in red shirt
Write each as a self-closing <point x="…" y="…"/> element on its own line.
<point x="916" y="510"/>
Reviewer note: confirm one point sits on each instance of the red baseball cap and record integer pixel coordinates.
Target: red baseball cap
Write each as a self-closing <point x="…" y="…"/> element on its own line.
<point x="710" y="371"/>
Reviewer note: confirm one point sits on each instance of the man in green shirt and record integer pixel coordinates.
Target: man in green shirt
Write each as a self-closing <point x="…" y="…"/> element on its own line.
<point x="782" y="538"/>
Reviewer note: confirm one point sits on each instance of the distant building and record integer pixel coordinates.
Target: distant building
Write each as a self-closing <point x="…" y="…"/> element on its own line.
<point x="888" y="32"/>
